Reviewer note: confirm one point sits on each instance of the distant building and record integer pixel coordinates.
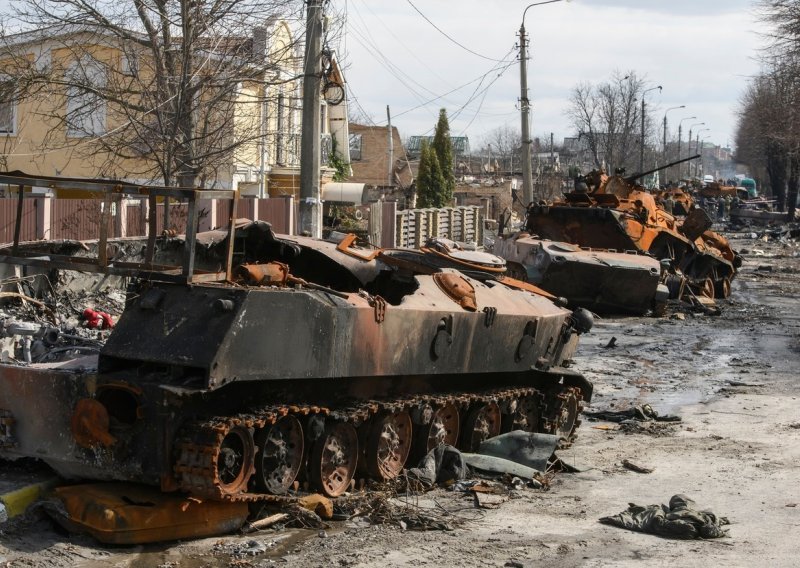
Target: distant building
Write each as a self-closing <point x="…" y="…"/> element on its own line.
<point x="369" y="157"/>
<point x="48" y="132"/>
<point x="460" y="146"/>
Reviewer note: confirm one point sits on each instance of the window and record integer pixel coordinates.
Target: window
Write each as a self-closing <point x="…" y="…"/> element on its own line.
<point x="7" y="106"/>
<point x="86" y="108"/>
<point x="355" y="147"/>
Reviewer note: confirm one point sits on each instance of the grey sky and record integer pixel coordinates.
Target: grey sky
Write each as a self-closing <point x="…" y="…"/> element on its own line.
<point x="700" y="51"/>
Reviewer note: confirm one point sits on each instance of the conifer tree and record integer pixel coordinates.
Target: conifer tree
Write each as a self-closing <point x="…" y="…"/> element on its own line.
<point x="430" y="182"/>
<point x="443" y="148"/>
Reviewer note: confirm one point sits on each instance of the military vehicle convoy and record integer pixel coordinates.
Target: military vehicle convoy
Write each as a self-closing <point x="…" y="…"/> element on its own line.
<point x="303" y="361"/>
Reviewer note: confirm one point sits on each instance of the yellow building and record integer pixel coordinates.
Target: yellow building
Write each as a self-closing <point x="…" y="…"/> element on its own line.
<point x="78" y="103"/>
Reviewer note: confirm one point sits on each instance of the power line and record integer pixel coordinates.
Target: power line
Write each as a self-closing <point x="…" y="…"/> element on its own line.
<point x="477" y="79"/>
<point x="462" y="46"/>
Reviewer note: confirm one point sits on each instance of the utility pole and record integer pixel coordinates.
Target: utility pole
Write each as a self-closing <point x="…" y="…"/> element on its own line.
<point x="680" y="136"/>
<point x="641" y="148"/>
<point x="310" y="211"/>
<point x="666" y="174"/>
<point x="689" y="165"/>
<point x="664" y="157"/>
<point x="391" y="148"/>
<point x="524" y="104"/>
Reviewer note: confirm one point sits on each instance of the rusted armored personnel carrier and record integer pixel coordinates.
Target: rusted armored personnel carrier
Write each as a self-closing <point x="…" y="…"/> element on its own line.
<point x="616" y="214"/>
<point x="603" y="281"/>
<point x="303" y="360"/>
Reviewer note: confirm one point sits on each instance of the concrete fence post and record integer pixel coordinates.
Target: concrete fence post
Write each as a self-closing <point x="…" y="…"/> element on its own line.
<point x="44" y="217"/>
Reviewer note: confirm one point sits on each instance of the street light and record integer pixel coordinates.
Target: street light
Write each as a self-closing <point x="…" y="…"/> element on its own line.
<point x="665" y="130"/>
<point x="641" y="148"/>
<point x="680" y="135"/>
<point x="702" y="142"/>
<point x="688" y="166"/>
<point x="524" y="104"/>
<point x="697" y="149"/>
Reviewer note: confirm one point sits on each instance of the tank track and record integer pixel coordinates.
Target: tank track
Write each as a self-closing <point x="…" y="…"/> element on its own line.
<point x="199" y="455"/>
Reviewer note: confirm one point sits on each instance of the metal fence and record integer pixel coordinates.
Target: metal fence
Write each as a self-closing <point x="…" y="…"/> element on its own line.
<point x="79" y="219"/>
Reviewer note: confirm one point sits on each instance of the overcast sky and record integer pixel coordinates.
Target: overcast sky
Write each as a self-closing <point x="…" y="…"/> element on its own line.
<point x="701" y="51"/>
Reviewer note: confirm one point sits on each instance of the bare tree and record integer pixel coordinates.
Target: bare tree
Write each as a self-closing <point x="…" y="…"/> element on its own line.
<point x="768" y="135"/>
<point x="607" y="116"/>
<point x="504" y="144"/>
<point x="157" y="89"/>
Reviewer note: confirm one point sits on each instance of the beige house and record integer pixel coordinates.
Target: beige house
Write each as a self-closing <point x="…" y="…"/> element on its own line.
<point x="84" y="105"/>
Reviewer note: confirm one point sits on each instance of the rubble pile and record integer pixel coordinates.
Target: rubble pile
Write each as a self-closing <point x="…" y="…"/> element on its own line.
<point x="62" y="325"/>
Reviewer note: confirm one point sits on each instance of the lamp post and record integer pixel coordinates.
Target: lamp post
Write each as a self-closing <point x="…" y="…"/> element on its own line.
<point x="680" y="136"/>
<point x="525" y="104"/>
<point x="641" y="148"/>
<point x="702" y="142"/>
<point x="697" y="148"/>
<point x="688" y="168"/>
<point x="665" y="130"/>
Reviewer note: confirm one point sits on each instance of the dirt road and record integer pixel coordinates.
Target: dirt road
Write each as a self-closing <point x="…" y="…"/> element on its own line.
<point x="732" y="378"/>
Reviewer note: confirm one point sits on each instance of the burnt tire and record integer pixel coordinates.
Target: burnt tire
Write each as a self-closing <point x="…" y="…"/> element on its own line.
<point x="722" y="288"/>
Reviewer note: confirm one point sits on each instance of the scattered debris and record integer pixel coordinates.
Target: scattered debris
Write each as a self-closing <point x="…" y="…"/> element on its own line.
<point x="442" y="464"/>
<point x="318" y="504"/>
<point x="612" y="343"/>
<point x="125" y="513"/>
<point x="533" y="450"/>
<point x="642" y="412"/>
<point x="627" y="464"/>
<point x="499" y="465"/>
<point x="266" y="522"/>
<point x="743" y="384"/>
<point x="242" y="549"/>
<point x="679" y="520"/>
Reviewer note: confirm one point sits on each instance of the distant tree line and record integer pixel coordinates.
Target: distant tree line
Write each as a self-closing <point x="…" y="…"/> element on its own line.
<point x="607" y="117"/>
<point x="768" y="133"/>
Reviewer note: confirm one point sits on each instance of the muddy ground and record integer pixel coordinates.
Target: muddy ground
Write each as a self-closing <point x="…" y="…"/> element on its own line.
<point x="732" y="378"/>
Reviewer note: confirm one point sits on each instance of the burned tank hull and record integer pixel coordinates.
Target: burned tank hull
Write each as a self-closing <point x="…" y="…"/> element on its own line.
<point x="619" y="216"/>
<point x="599" y="280"/>
<point x="319" y="363"/>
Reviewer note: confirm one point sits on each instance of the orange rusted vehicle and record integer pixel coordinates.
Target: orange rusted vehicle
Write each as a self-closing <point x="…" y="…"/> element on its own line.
<point x="305" y="360"/>
<point x="715" y="189"/>
<point x="682" y="201"/>
<point x="616" y="214"/>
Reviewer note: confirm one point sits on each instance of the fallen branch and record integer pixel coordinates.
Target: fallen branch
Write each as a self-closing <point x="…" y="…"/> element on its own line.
<point x="637" y="468"/>
<point x="266" y="522"/>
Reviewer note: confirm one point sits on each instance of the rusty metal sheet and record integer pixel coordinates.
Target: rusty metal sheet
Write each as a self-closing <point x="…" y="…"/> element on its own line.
<point x="124" y="513"/>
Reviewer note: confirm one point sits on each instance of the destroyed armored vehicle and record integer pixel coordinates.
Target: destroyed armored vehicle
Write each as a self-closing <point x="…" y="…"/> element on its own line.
<point x="305" y="361"/>
<point x="616" y="214"/>
<point x="602" y="281"/>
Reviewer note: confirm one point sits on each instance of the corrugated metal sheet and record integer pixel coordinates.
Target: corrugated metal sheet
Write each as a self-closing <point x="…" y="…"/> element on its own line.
<point x="8" y="216"/>
<point x="178" y="213"/>
<point x="77" y="219"/>
<point x="280" y="213"/>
